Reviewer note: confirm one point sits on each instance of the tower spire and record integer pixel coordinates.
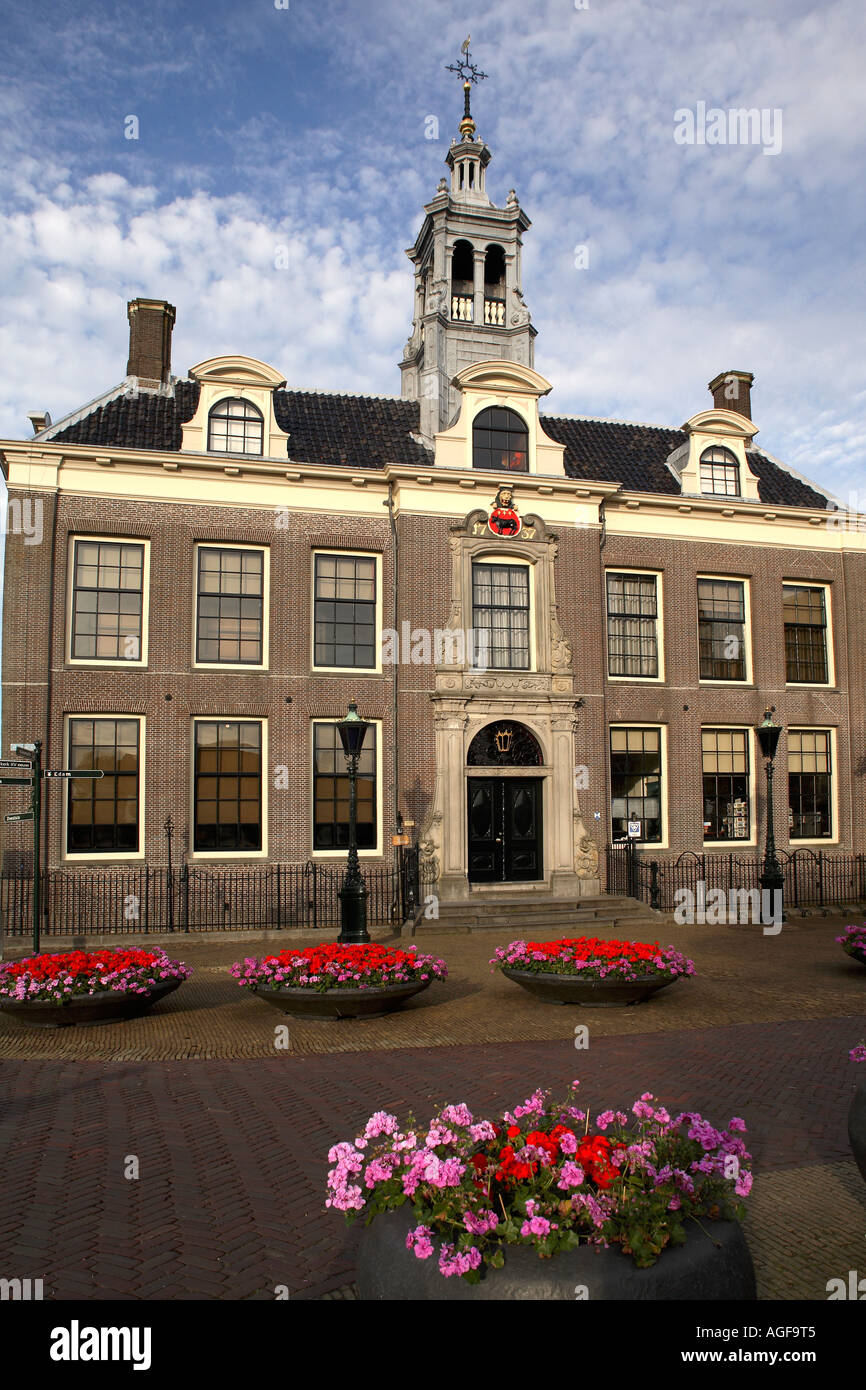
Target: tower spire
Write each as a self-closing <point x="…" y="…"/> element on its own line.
<point x="469" y="303"/>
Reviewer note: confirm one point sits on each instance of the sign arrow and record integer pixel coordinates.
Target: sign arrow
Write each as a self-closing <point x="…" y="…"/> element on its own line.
<point x="67" y="773"/>
<point x="21" y="815"/>
<point x="8" y="762"/>
<point x="15" y="781"/>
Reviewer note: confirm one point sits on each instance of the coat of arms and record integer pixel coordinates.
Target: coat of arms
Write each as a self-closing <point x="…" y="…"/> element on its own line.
<point x="503" y="519"/>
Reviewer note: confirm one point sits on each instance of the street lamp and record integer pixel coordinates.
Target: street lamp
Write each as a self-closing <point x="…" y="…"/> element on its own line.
<point x="353" y="894"/>
<point x="772" y="879"/>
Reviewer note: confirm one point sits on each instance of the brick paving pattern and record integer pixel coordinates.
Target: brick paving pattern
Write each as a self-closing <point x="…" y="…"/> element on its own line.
<point x="229" y="1202"/>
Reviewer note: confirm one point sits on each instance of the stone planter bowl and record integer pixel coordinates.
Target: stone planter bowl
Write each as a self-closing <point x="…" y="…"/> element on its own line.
<point x="577" y="989"/>
<point x="341" y="1003"/>
<point x="713" y="1265"/>
<point x="111" y="1006"/>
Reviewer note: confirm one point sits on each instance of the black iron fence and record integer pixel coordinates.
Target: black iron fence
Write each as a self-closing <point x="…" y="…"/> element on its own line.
<point x="200" y="898"/>
<point x="813" y="878"/>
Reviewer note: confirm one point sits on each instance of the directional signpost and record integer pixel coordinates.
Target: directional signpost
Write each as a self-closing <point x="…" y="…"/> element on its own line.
<point x="34" y="782"/>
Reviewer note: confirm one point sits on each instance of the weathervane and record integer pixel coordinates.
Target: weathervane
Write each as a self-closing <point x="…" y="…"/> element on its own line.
<point x="466" y="69"/>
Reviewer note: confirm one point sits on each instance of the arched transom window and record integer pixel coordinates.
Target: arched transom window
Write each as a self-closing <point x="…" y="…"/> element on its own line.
<point x="500" y="441"/>
<point x="235" y="427"/>
<point x="720" y="472"/>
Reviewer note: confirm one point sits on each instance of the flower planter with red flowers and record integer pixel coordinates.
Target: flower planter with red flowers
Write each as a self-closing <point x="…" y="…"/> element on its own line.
<point x="857" y="1116"/>
<point x="590" y="971"/>
<point x="80" y="987"/>
<point x="547" y="1203"/>
<point x="853" y="943"/>
<point x="333" y="981"/>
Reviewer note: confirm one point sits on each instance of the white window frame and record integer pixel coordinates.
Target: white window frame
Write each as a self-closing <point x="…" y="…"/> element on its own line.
<point x="830" y="683"/>
<point x="747" y="611"/>
<point x="363" y="671"/>
<point x="330" y="854"/>
<point x="754" y="757"/>
<point x="643" y="845"/>
<point x="497" y="558"/>
<point x="660" y="679"/>
<point x="230" y="855"/>
<point x="117" y="665"/>
<point x="830" y="729"/>
<point x="264" y="664"/>
<point x="114" y="856"/>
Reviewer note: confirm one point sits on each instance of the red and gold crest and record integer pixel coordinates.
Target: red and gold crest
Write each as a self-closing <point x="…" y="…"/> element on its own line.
<point x="503" y="519"/>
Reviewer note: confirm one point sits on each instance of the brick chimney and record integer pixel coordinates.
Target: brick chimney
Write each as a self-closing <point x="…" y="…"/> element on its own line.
<point x="150" y="324"/>
<point x="733" y="391"/>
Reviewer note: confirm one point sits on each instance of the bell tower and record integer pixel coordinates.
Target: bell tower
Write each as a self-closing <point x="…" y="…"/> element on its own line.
<point x="468" y="294"/>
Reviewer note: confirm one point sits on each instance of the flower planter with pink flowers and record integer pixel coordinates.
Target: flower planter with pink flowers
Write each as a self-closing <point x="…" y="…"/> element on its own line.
<point x="337" y="982"/>
<point x="853" y="943"/>
<point x="60" y="990"/>
<point x="547" y="1203"/>
<point x="590" y="971"/>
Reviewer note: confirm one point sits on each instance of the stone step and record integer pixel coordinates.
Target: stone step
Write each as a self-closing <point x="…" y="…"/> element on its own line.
<point x="545" y="916"/>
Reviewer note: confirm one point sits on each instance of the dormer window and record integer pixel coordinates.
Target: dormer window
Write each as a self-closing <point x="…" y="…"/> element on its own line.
<point x="235" y="427"/>
<point x="720" y="472"/>
<point x="500" y="441"/>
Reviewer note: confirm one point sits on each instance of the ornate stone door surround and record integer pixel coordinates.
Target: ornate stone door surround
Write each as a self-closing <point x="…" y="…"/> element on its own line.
<point x="542" y="698"/>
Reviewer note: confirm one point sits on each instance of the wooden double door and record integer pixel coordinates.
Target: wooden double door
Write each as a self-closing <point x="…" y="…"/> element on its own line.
<point x="504" y="829"/>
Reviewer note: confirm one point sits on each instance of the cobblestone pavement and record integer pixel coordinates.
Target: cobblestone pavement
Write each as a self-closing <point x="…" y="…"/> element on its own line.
<point x="231" y="1150"/>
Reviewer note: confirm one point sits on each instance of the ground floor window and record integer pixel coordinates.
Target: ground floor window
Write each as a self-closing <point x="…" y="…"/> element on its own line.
<point x="103" y="813"/>
<point x="726" y="772"/>
<point x="227" y="786"/>
<point x="636" y="783"/>
<point x="810" y="784"/>
<point x="331" y="791"/>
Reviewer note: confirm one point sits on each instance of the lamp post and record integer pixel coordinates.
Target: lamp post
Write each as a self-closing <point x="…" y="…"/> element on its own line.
<point x="772" y="879"/>
<point x="353" y="894"/>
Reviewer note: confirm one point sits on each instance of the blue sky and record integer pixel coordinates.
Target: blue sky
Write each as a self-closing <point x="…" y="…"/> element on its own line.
<point x="305" y="127"/>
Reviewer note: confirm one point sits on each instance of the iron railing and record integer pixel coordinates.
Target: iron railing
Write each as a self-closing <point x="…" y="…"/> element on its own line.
<point x="200" y="898"/>
<point x="813" y="878"/>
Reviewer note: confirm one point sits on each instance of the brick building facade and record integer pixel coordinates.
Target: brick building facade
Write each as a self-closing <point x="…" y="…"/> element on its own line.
<point x="207" y="569"/>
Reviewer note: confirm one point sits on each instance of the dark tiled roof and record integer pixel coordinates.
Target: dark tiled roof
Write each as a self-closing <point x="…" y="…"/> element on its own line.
<point x="358" y="431"/>
<point x="362" y="431"/>
<point x="143" y="421"/>
<point x="369" y="431"/>
<point x="634" y="455"/>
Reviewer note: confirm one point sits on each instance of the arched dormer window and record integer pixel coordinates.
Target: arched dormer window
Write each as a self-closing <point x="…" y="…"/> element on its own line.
<point x="720" y="472"/>
<point x="463" y="282"/>
<point x="500" y="441"/>
<point x="235" y="427"/>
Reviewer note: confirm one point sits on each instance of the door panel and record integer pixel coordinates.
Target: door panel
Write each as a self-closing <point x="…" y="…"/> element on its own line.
<point x="504" y="824"/>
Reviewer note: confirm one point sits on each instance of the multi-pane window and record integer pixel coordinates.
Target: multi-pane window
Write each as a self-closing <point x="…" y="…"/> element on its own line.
<point x="227" y="786"/>
<point x="636" y="783"/>
<point x="331" y="791"/>
<point x="345" y="611"/>
<point x="107" y="601"/>
<point x="103" y="813"/>
<point x="810" y="781"/>
<point x="722" y="629"/>
<point x="720" y="472"/>
<point x="726" y="772"/>
<point x="804" y="611"/>
<point x="235" y="427"/>
<point x="500" y="441"/>
<point x="632" y="625"/>
<point x="230" y="606"/>
<point x="500" y="616"/>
